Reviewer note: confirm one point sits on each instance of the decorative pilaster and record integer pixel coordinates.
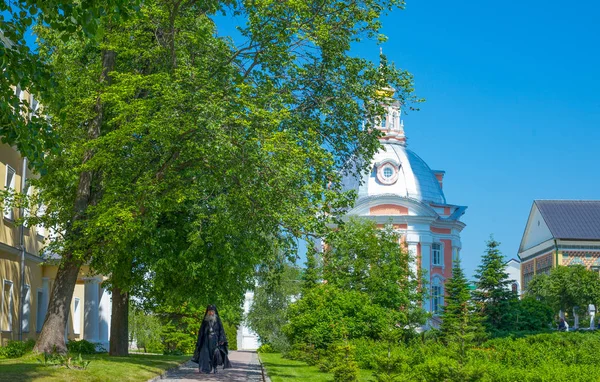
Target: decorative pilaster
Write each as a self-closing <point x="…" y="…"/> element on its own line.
<point x="91" y="310"/>
<point x="104" y="311"/>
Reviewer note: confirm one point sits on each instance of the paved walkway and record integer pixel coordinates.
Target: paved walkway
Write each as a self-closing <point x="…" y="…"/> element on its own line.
<point x="245" y="368"/>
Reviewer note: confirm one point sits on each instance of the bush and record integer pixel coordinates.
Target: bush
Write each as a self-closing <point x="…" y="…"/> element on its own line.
<point x="81" y="347"/>
<point x="266" y="348"/>
<point x="155" y="346"/>
<point x="326" y="315"/>
<point x="346" y="368"/>
<point x="16" y="349"/>
<point x="177" y="340"/>
<point x="306" y="353"/>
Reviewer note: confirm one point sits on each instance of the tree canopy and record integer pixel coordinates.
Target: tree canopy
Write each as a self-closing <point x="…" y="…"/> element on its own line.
<point x="182" y="153"/>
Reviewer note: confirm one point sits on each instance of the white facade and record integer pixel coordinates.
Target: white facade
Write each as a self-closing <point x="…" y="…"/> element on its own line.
<point x="400" y="189"/>
<point x="246" y="338"/>
<point x="513" y="268"/>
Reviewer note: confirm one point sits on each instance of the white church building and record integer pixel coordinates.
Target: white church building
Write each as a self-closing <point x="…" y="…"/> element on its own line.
<point x="402" y="190"/>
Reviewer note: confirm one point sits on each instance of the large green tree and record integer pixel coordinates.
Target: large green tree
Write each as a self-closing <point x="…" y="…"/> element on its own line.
<point x="185" y="160"/>
<point x="461" y="324"/>
<point x="493" y="294"/>
<point x="566" y="288"/>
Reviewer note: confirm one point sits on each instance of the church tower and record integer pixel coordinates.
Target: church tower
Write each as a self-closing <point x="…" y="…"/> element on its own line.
<point x="402" y="190"/>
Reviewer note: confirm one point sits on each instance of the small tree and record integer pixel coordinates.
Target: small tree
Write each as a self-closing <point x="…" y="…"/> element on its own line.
<point x="311" y="274"/>
<point x="461" y="326"/>
<point x="272" y="297"/>
<point x="493" y="296"/>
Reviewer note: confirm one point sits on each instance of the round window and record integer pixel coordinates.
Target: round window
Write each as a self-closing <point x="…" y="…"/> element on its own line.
<point x="388" y="172"/>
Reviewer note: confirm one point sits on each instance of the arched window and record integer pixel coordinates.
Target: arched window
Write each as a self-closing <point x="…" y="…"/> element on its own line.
<point x="393" y="124"/>
<point x="437" y="295"/>
<point x="437" y="254"/>
<point x="515" y="287"/>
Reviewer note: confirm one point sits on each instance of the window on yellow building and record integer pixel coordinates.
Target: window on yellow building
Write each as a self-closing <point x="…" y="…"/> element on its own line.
<point x="76" y="316"/>
<point x="39" y="320"/>
<point x="9" y="184"/>
<point x="26" y="309"/>
<point x="7" y="305"/>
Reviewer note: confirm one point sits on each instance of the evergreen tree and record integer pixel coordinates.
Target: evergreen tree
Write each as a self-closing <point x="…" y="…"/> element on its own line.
<point x="312" y="272"/>
<point x="461" y="325"/>
<point x="494" y="298"/>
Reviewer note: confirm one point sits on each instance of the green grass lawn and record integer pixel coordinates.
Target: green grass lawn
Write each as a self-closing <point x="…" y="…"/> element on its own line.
<point x="284" y="370"/>
<point x="102" y="368"/>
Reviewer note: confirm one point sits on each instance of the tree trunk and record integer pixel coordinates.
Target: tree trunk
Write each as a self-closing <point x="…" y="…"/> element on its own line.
<point x="119" y="323"/>
<point x="52" y="337"/>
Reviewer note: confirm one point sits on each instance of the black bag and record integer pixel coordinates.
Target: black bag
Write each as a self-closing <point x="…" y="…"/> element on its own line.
<point x="217" y="357"/>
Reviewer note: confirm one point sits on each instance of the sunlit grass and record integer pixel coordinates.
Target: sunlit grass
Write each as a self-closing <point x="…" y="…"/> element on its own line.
<point x="101" y="368"/>
<point x="280" y="369"/>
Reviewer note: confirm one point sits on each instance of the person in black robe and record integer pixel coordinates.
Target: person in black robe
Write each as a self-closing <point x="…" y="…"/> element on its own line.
<point x="211" y="347"/>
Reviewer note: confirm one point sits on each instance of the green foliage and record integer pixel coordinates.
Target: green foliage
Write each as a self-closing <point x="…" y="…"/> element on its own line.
<point x="22" y="65"/>
<point x="276" y="288"/>
<point x="346" y="368"/>
<point x="16" y="349"/>
<point x="311" y="275"/>
<point x="56" y="359"/>
<point x="566" y="287"/>
<point x="493" y="296"/>
<point x="177" y="340"/>
<point x="146" y="329"/>
<point x="461" y="324"/>
<point x="533" y="314"/>
<point x="364" y="258"/>
<point x="231" y="333"/>
<point x="327" y="314"/>
<point x="81" y="347"/>
<point x="266" y="348"/>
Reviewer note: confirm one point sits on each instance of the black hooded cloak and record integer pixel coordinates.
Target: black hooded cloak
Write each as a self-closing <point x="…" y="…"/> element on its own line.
<point x="211" y="347"/>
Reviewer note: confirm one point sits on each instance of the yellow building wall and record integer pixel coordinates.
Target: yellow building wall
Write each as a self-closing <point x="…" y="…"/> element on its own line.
<point x="35" y="271"/>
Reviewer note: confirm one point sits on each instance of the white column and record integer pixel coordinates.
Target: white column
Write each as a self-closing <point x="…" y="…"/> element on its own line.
<point x="90" y="313"/>
<point x="575" y="318"/>
<point x="426" y="266"/>
<point x="105" y="311"/>
<point x="412" y="250"/>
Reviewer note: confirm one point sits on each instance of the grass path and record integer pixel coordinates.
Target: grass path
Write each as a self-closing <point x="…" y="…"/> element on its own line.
<point x="102" y="368"/>
<point x="280" y="369"/>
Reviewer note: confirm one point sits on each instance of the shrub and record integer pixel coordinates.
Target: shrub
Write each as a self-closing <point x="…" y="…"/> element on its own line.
<point x="81" y="347"/>
<point x="155" y="346"/>
<point x="306" y="353"/>
<point x="265" y="348"/>
<point x="345" y="367"/>
<point x="176" y="340"/>
<point x="326" y="315"/>
<point x="16" y="349"/>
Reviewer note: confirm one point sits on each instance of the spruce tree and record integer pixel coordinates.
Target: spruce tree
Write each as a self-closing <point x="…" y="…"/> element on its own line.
<point x="312" y="271"/>
<point x="494" y="298"/>
<point x="461" y="325"/>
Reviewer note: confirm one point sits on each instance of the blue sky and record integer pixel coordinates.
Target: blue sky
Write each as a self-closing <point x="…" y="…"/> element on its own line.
<point x="512" y="109"/>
